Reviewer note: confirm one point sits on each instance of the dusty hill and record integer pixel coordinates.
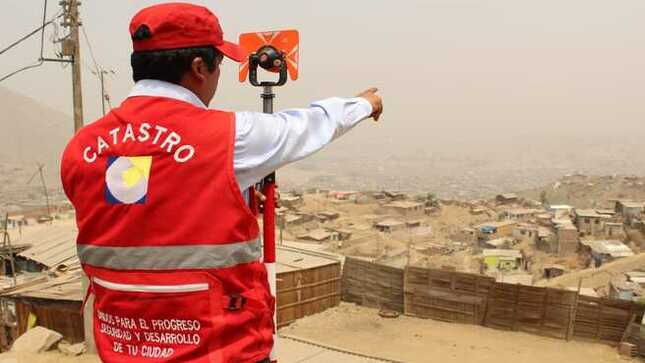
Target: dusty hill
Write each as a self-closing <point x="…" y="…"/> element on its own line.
<point x="584" y="191"/>
<point x="31" y="133"/>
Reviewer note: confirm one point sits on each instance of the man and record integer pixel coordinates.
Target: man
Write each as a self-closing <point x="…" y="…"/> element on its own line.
<point x="161" y="191"/>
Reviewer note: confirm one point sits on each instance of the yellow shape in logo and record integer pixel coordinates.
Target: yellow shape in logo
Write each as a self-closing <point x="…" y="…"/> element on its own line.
<point x="140" y="168"/>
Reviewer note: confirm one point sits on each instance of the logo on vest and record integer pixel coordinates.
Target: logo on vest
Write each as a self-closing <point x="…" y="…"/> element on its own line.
<point x="126" y="179"/>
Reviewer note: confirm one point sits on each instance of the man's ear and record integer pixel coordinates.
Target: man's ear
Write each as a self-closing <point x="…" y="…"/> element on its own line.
<point x="199" y="68"/>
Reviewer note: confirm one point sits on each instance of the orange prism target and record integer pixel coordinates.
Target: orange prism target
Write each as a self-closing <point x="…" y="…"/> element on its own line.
<point x="286" y="41"/>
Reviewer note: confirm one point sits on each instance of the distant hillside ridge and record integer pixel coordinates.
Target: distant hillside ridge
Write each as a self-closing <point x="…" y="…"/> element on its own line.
<point x="32" y="133"/>
<point x="586" y="191"/>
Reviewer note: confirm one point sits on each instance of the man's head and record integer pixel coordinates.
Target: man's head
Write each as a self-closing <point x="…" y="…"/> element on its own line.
<point x="197" y="69"/>
<point x="183" y="44"/>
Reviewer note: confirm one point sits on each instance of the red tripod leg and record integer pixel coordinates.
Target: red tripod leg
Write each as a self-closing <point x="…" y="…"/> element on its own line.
<point x="269" y="246"/>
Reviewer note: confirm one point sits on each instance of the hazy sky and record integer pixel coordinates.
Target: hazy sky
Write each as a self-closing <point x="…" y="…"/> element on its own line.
<point x="463" y="67"/>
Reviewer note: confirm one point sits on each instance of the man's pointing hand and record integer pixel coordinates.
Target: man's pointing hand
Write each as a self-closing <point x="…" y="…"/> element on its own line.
<point x="375" y="100"/>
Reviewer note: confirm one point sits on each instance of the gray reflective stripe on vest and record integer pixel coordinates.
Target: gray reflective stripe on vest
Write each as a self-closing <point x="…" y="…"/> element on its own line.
<point x="170" y="257"/>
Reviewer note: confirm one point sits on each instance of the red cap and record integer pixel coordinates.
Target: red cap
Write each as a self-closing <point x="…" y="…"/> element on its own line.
<point x="180" y="25"/>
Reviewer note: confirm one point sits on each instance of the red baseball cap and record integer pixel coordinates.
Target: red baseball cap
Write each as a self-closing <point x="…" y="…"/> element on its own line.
<point x="180" y="25"/>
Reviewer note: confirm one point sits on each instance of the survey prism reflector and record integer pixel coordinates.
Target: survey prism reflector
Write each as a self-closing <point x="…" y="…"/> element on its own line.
<point x="286" y="41"/>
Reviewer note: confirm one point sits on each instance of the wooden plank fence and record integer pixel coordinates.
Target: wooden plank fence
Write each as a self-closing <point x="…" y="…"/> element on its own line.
<point x="471" y="298"/>
<point x="372" y="285"/>
<point x="635" y="334"/>
<point x="536" y="310"/>
<point x="307" y="291"/>
<point x="445" y="295"/>
<point x="604" y="319"/>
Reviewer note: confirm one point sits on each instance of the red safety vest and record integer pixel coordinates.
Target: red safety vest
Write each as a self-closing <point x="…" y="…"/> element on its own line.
<point x="166" y="238"/>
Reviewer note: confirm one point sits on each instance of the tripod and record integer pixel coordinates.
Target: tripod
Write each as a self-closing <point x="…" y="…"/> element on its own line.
<point x="273" y="60"/>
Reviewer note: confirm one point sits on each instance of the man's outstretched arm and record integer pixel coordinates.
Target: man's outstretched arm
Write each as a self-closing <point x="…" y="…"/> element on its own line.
<point x="266" y="142"/>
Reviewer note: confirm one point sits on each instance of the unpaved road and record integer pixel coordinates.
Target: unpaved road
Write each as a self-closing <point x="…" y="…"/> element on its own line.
<point x="419" y="340"/>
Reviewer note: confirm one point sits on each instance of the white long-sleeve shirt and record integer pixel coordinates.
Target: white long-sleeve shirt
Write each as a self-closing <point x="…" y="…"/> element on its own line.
<point x="266" y="142"/>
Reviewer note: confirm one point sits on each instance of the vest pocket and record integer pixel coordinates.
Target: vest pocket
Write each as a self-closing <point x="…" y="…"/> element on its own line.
<point x="173" y="322"/>
<point x="250" y="328"/>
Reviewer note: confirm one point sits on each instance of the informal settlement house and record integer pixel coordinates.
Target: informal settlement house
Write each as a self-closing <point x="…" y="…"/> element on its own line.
<point x="49" y="289"/>
<point x="494" y="230"/>
<point x="605" y="251"/>
<point x="623" y="289"/>
<point x="406" y="208"/>
<point x="319" y="235"/>
<point x="291" y="201"/>
<point x="521" y="214"/>
<point x="589" y="222"/>
<point x="630" y="210"/>
<point x="560" y="210"/>
<point x="502" y="260"/>
<point x="567" y="237"/>
<point x="508" y="198"/>
<point x="390" y="226"/>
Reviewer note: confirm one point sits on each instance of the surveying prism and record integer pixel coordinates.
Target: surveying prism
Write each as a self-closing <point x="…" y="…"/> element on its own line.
<point x="274" y="52"/>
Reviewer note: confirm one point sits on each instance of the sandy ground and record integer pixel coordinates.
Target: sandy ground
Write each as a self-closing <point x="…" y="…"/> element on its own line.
<point x="418" y="340"/>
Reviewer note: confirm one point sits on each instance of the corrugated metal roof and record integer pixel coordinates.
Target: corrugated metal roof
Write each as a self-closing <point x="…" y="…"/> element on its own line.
<point x="613" y="248"/>
<point x="52" y="245"/>
<point x="66" y="286"/>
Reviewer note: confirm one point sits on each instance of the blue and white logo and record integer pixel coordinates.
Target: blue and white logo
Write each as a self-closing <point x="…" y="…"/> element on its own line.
<point x="126" y="179"/>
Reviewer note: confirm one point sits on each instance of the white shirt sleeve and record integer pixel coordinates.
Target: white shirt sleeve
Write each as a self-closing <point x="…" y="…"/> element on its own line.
<point x="266" y="142"/>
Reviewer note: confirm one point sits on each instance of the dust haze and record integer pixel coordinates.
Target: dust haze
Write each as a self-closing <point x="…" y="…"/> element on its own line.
<point x="480" y="96"/>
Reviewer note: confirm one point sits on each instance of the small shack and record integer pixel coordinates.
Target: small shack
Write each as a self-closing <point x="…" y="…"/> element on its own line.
<point x="606" y="251"/>
<point x="51" y="300"/>
<point x="630" y="210"/>
<point x="406" y="208"/>
<point x="327" y="216"/>
<point x="497" y="229"/>
<point x="502" y="260"/>
<point x="291" y="201"/>
<point x="508" y="198"/>
<point x="526" y="232"/>
<point x="390" y="225"/>
<point x="551" y="271"/>
<point x="560" y="210"/>
<point x="319" y="235"/>
<point x="637" y="277"/>
<point x="521" y="214"/>
<point x="620" y="288"/>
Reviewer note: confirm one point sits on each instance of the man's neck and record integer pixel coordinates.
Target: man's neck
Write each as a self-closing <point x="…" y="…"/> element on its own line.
<point x="156" y="88"/>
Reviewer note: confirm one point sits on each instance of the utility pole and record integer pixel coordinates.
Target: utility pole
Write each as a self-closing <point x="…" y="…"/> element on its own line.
<point x="71" y="48"/>
<point x="101" y="77"/>
<point x="100" y="73"/>
<point x="43" y="184"/>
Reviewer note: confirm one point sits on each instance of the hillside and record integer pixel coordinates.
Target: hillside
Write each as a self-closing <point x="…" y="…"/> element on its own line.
<point x="31" y="133"/>
<point x="583" y="191"/>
